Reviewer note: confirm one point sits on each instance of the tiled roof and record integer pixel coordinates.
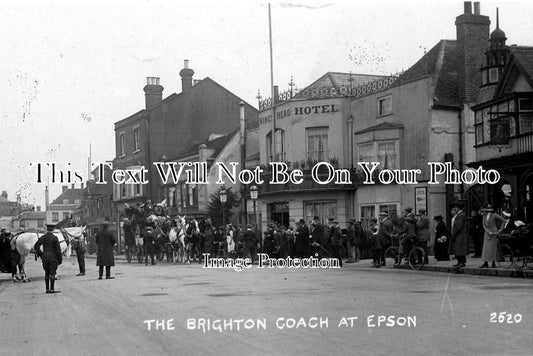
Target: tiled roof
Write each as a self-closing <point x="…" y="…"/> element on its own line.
<point x="441" y="61"/>
<point x="33" y="215"/>
<point x="4" y="200"/>
<point x="217" y="144"/>
<point x="69" y="194"/>
<point x="524" y="57"/>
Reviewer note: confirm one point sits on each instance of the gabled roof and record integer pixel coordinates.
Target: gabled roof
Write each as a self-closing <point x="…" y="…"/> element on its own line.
<point x="69" y="194"/>
<point x="522" y="59"/>
<point x="217" y="144"/>
<point x="382" y="126"/>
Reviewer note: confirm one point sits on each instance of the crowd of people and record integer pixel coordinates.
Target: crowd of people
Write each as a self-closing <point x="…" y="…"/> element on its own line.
<point x="316" y="239"/>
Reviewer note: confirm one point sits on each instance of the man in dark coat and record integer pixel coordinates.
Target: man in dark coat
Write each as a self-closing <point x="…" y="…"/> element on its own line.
<point x="129" y="238"/>
<point x="359" y="233"/>
<point x="317" y="234"/>
<point x="302" y="237"/>
<point x="386" y="228"/>
<point x="5" y="247"/>
<point x="50" y="255"/>
<point x="422" y="232"/>
<point x="149" y="245"/>
<point x="459" y="236"/>
<point x="336" y="241"/>
<point x="477" y="232"/>
<point x="104" y="254"/>
<point x="350" y="238"/>
<point x="250" y="242"/>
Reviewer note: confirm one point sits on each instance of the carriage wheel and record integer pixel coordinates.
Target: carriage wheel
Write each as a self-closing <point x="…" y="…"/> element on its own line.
<point x="416" y="258"/>
<point x="391" y="257"/>
<point x="519" y="260"/>
<point x="505" y="256"/>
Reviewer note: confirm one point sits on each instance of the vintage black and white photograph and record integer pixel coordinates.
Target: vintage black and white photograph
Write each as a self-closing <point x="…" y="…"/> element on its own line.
<point x="296" y="177"/>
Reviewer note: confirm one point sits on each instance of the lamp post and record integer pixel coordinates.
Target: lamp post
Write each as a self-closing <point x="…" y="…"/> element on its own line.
<point x="253" y="195"/>
<point x="223" y="199"/>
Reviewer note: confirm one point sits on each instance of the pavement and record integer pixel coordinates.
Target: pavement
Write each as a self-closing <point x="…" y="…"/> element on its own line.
<point x="189" y="310"/>
<point x="472" y="267"/>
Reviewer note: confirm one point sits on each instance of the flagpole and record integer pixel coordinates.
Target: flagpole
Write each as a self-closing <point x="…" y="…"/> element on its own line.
<point x="272" y="136"/>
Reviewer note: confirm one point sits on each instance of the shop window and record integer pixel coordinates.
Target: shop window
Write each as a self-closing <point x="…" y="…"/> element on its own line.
<point x="323" y="209"/>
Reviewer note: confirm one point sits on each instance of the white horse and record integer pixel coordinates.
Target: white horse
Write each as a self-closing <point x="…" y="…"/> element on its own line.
<point x="178" y="239"/>
<point x="192" y="236"/>
<point x="25" y="241"/>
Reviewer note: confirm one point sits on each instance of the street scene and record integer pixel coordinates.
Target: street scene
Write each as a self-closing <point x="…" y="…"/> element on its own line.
<point x="301" y="177"/>
<point x="449" y="314"/>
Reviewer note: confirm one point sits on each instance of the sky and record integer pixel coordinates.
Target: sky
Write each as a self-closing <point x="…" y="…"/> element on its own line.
<point x="70" y="70"/>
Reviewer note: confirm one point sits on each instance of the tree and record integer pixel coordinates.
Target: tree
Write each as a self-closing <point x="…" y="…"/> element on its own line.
<point x="215" y="206"/>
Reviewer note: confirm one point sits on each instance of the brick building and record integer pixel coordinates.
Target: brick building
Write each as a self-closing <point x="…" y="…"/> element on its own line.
<point x="167" y="128"/>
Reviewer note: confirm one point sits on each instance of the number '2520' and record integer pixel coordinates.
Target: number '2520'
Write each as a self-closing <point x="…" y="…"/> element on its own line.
<point x="505" y="318"/>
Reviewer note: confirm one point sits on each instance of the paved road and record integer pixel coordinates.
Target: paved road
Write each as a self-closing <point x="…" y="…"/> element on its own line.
<point x="278" y="312"/>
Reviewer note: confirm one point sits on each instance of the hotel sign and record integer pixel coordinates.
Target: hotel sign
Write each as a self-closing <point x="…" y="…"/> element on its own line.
<point x="299" y="110"/>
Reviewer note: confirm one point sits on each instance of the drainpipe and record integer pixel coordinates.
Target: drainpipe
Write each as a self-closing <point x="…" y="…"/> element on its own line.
<point x="460" y="118"/>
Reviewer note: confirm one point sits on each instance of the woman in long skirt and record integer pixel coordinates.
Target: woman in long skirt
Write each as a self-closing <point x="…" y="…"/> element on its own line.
<point x="441" y="240"/>
<point x="491" y="221"/>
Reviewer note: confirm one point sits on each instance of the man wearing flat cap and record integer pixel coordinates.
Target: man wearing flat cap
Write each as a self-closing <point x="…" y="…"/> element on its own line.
<point x="50" y="255"/>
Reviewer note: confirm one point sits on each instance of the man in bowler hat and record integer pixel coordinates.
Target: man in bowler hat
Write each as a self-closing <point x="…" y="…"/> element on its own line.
<point x="51" y="257"/>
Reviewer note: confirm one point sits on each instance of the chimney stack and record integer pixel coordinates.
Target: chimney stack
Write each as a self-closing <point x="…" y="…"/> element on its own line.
<point x="64" y="189"/>
<point x="468" y="7"/>
<point x="476" y="8"/>
<point x="275" y="99"/>
<point x="472" y="41"/>
<point x="186" y="77"/>
<point x="46" y="198"/>
<point x="153" y="92"/>
<point x="4" y="194"/>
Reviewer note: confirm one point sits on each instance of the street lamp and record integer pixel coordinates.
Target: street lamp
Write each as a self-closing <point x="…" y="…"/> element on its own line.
<point x="223" y="200"/>
<point x="253" y="195"/>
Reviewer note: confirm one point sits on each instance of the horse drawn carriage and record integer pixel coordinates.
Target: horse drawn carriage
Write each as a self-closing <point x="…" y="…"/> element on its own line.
<point x="176" y="238"/>
<point x="516" y="249"/>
